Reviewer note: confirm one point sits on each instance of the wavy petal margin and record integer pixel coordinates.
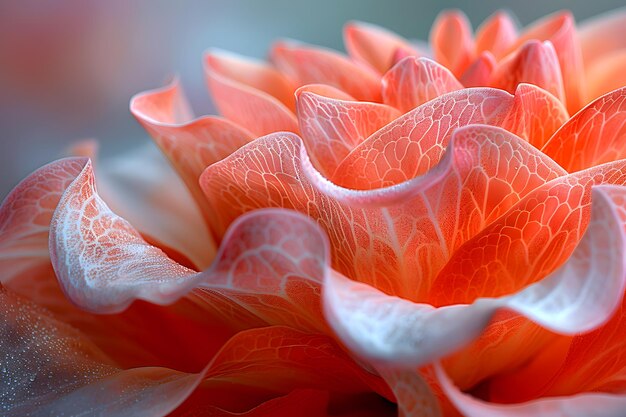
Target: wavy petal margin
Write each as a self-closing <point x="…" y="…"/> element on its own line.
<point x="578" y="297"/>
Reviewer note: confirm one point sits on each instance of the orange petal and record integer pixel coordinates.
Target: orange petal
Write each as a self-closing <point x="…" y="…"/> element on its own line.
<point x="414" y="143"/>
<point x="582" y="405"/>
<point x="594" y="135"/>
<point x="602" y="36"/>
<point x="607" y="74"/>
<point x="311" y="65"/>
<point x="332" y="127"/>
<point x="374" y="233"/>
<point x="451" y="41"/>
<point x="560" y="29"/>
<point x="533" y="63"/>
<point x="496" y="35"/>
<point x="478" y="74"/>
<point x="190" y="145"/>
<point x="536" y="115"/>
<point x="373" y="45"/>
<point x="414" y="81"/>
<point x="534" y="237"/>
<point x="580" y="296"/>
<point x="250" y="93"/>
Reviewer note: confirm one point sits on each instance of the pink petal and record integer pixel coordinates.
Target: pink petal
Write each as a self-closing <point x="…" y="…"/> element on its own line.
<point x="190" y="145"/>
<point x="414" y="143"/>
<point x="373" y="44"/>
<point x="535" y="115"/>
<point x="533" y="63"/>
<point x="250" y="93"/>
<point x="133" y="186"/>
<point x="25" y="216"/>
<point x="452" y="42"/>
<point x="580" y="296"/>
<point x="374" y="233"/>
<point x="332" y="127"/>
<point x="414" y="81"/>
<point x="311" y="65"/>
<point x="413" y="394"/>
<point x="594" y="135"/>
<point x="478" y="74"/>
<point x="560" y="29"/>
<point x="103" y="264"/>
<point x="496" y="35"/>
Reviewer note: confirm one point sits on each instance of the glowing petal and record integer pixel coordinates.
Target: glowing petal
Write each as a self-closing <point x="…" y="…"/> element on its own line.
<point x="560" y="29"/>
<point x="578" y="297"/>
<point x="533" y="238"/>
<point x="533" y="63"/>
<point x="536" y="115"/>
<point x="311" y="65"/>
<point x="250" y="93"/>
<point x="452" y="42"/>
<point x="414" y="143"/>
<point x="25" y="216"/>
<point x="602" y="36"/>
<point x="395" y="238"/>
<point x="478" y="74"/>
<point x="414" y="81"/>
<point x="373" y="45"/>
<point x="332" y="127"/>
<point x="594" y="135"/>
<point x="496" y="35"/>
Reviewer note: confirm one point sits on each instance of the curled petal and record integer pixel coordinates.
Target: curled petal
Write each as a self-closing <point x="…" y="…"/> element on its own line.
<point x="581" y="405"/>
<point x="528" y="242"/>
<point x="533" y="63"/>
<point x="414" y="81"/>
<point x="594" y="135"/>
<point x="414" y="143"/>
<point x="396" y="238"/>
<point x="452" y="42"/>
<point x="536" y="115"/>
<point x="249" y="93"/>
<point x="311" y="65"/>
<point x="374" y="45"/>
<point x="25" y="216"/>
<point x="560" y="29"/>
<point x="103" y="264"/>
<point x="578" y="297"/>
<point x="332" y="127"/>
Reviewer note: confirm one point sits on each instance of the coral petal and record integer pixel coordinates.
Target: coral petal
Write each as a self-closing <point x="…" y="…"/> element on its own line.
<point x="536" y="115"/>
<point x="414" y="143"/>
<point x="374" y="233"/>
<point x="478" y="74"/>
<point x="414" y="81"/>
<point x="580" y="296"/>
<point x="594" y="135"/>
<point x="533" y="63"/>
<point x="496" y="35"/>
<point x="452" y="42"/>
<point x="249" y="93"/>
<point x="332" y="127"/>
<point x="373" y="45"/>
<point x="310" y="65"/>
<point x="602" y="36"/>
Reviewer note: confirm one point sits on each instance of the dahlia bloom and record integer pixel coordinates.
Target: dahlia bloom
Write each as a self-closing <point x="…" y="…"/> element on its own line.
<point x="422" y="231"/>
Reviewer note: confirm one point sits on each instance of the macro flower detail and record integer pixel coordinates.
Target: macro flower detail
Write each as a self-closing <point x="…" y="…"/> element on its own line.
<point x="409" y="229"/>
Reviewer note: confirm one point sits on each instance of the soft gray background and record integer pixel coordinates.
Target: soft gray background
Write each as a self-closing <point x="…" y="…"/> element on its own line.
<point x="69" y="68"/>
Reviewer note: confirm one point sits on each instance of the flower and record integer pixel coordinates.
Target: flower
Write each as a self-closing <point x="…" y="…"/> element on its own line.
<point x="439" y="234"/>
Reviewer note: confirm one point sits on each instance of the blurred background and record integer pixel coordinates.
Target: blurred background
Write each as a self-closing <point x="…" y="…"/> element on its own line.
<point x="68" y="68"/>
